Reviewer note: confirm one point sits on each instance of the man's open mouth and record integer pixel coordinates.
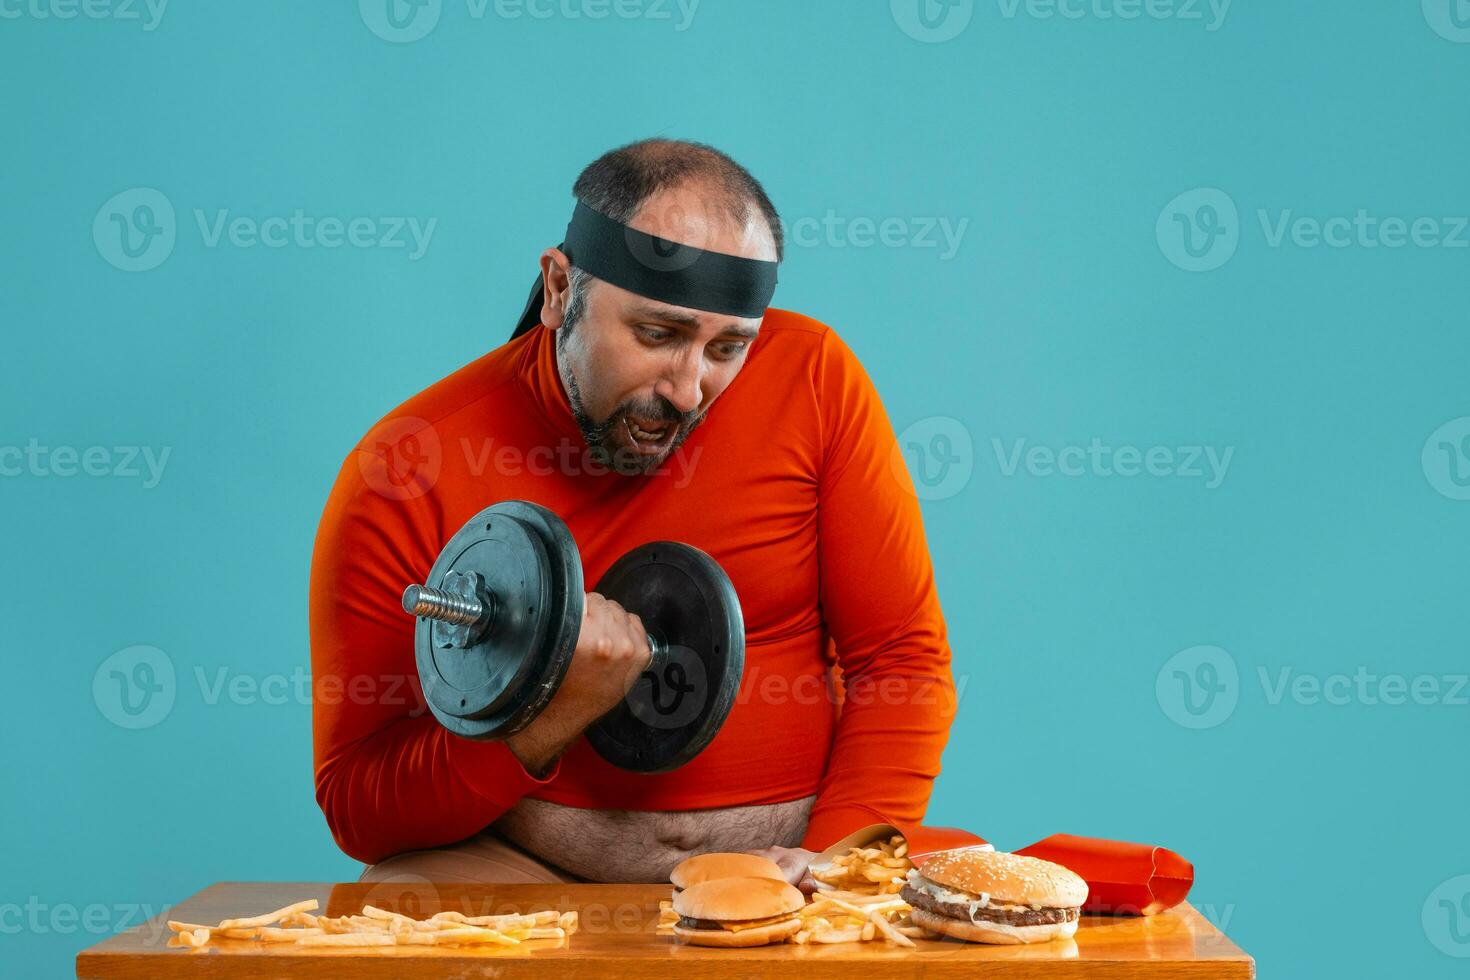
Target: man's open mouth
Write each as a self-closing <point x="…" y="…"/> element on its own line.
<point x="649" y="437"/>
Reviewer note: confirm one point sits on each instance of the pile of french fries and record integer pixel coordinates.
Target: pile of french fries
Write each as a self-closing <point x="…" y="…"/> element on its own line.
<point x="877" y="870"/>
<point x="379" y="927"/>
<point x="843" y="917"/>
<point x="860" y="902"/>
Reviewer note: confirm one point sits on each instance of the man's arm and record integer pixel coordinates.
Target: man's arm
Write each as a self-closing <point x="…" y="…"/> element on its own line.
<point x="880" y="605"/>
<point x="389" y="778"/>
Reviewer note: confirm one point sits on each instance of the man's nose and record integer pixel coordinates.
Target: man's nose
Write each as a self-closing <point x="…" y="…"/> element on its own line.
<point x="681" y="386"/>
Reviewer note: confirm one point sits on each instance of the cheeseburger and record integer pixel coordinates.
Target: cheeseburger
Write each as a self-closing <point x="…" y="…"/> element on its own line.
<point x="738" y="912"/>
<point x="720" y="864"/>
<point x="994" y="897"/>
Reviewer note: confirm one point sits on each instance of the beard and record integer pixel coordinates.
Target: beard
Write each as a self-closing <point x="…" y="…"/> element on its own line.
<point x="605" y="439"/>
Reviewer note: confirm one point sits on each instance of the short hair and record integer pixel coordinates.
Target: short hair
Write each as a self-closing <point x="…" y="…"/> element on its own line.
<point x="618" y="182"/>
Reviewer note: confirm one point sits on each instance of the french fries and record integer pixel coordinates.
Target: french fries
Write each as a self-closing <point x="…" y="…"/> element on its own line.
<point x="890" y="932"/>
<point x="858" y="898"/>
<point x="877" y="870"/>
<point x="827" y="921"/>
<point x="349" y="939"/>
<point x="270" y="918"/>
<point x="666" y="918"/>
<point x="375" y="927"/>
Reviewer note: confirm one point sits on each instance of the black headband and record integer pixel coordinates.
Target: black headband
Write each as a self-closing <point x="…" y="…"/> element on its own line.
<point x="674" y="273"/>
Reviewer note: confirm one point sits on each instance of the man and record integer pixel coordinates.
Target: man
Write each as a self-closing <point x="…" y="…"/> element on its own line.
<point x="603" y="408"/>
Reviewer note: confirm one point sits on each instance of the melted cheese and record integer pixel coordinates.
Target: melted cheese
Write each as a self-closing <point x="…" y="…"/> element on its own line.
<point x="755" y="923"/>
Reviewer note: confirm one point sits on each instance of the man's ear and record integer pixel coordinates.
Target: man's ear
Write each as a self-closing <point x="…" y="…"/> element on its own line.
<point x="556" y="287"/>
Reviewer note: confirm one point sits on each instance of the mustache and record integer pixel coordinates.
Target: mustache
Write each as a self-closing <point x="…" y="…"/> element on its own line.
<point x="661" y="411"/>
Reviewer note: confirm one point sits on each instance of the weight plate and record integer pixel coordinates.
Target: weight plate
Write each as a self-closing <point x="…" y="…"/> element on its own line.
<point x="568" y="598"/>
<point x="685" y="599"/>
<point x="472" y="683"/>
<point x="531" y="569"/>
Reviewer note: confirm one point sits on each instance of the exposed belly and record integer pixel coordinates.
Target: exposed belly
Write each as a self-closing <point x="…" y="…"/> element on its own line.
<point x="644" y="845"/>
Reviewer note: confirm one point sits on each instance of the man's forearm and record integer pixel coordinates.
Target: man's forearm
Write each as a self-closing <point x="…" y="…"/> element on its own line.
<point x="542" y="742"/>
<point x="413" y="785"/>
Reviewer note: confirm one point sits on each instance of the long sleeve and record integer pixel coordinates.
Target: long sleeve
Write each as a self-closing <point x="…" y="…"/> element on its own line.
<point x="881" y="607"/>
<point x="389" y="778"/>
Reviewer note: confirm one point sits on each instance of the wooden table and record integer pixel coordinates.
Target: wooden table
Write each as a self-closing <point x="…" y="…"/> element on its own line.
<point x="617" y="938"/>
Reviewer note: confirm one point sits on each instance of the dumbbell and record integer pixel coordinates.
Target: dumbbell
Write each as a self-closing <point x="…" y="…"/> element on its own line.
<point x="499" y="617"/>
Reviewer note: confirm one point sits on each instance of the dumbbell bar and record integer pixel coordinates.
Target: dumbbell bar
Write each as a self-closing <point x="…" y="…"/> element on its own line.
<point x="496" y="634"/>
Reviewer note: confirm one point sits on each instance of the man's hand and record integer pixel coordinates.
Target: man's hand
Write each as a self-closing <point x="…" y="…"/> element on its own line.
<point x="794" y="862"/>
<point x="612" y="651"/>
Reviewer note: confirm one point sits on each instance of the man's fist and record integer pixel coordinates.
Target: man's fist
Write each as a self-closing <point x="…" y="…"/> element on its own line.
<point x="612" y="650"/>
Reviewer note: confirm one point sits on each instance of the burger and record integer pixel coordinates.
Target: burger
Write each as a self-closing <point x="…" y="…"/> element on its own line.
<point x="738" y="912"/>
<point x="719" y="864"/>
<point x="994" y="897"/>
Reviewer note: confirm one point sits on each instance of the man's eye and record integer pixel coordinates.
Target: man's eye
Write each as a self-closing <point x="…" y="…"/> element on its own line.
<point x="726" y="352"/>
<point x="653" y="334"/>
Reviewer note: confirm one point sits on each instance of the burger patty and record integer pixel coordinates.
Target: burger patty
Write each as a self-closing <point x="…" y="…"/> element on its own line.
<point x="687" y="923"/>
<point x="1010" y="917"/>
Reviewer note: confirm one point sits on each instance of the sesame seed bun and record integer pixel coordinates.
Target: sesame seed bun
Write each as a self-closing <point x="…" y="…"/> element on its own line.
<point x="721" y="864"/>
<point x="1010" y="878"/>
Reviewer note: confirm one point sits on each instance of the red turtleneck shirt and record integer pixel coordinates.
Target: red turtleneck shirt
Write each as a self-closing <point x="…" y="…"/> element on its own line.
<point x="793" y="483"/>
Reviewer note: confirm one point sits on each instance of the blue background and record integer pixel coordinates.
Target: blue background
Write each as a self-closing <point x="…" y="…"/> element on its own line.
<point x="1060" y="319"/>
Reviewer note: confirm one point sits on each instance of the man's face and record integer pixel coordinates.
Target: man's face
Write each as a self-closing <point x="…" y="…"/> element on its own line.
<point x="641" y="374"/>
